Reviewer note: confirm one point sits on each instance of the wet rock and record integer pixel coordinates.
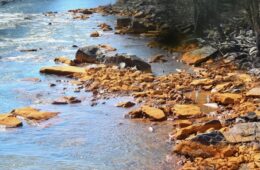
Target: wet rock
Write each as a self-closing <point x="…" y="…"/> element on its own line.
<point x="95" y="34"/>
<point x="63" y="70"/>
<point x="154" y="113"/>
<point x="157" y="58"/>
<point x="107" y="47"/>
<point x="88" y="54"/>
<point x="129" y="61"/>
<point x="185" y="111"/>
<point x="198" y="56"/>
<point x="255" y="92"/>
<point x="10" y="121"/>
<point x="33" y="114"/>
<point x="29" y="50"/>
<point x="64" y="60"/>
<point x="123" y="22"/>
<point x="125" y="104"/>
<point x="226" y="98"/>
<point x="32" y="79"/>
<point x="138" y="27"/>
<point x="105" y="27"/>
<point x="211" y="138"/>
<point x="200" y="127"/>
<point x="66" y="100"/>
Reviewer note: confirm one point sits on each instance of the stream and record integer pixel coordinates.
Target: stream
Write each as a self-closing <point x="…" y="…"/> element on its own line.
<point x="81" y="136"/>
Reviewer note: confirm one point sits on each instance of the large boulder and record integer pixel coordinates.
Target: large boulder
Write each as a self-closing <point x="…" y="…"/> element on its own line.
<point x="198" y="56"/>
<point x="88" y="54"/>
<point x="128" y="61"/>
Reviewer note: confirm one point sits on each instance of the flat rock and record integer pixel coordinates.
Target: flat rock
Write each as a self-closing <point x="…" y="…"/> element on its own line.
<point x="184" y="111"/>
<point x="226" y="98"/>
<point x="10" y="121"/>
<point x="200" y="127"/>
<point x="243" y="132"/>
<point x="202" y="82"/>
<point x="198" y="56"/>
<point x="63" y="70"/>
<point x="33" y="114"/>
<point x="154" y="113"/>
<point x="255" y="92"/>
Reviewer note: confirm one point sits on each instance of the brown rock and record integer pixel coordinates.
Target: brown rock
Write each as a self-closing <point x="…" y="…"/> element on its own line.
<point x="184" y="111"/>
<point x="125" y="104"/>
<point x="33" y="114"/>
<point x="123" y="22"/>
<point x="202" y="82"/>
<point x="226" y="98"/>
<point x="10" y="121"/>
<point x="200" y="127"/>
<point x="63" y="70"/>
<point x="157" y="58"/>
<point x="108" y="47"/>
<point x="95" y="34"/>
<point x="255" y="92"/>
<point x="64" y="60"/>
<point x="182" y="123"/>
<point x="66" y="100"/>
<point x="154" y="113"/>
<point x="198" y="56"/>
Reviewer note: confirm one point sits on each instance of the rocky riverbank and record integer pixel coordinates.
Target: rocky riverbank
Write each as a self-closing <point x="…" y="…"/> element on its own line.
<point x="215" y="109"/>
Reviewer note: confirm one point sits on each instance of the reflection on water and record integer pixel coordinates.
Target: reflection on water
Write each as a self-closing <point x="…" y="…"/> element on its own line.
<point x="81" y="137"/>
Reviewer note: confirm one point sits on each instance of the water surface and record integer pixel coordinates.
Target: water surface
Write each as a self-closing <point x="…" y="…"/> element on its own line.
<point x="81" y="137"/>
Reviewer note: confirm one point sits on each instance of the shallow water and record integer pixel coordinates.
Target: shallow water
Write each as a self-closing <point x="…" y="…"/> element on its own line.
<point x="81" y="137"/>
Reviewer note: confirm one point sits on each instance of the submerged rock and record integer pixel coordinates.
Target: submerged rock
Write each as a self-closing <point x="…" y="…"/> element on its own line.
<point x="198" y="56"/>
<point x="10" y="121"/>
<point x="63" y="70"/>
<point x="66" y="100"/>
<point x="157" y="58"/>
<point x="33" y="114"/>
<point x="95" y="34"/>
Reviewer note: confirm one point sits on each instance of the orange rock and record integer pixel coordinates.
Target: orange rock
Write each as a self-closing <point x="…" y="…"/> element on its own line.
<point x="10" y="121"/>
<point x="64" y="60"/>
<point x="63" y="70"/>
<point x="226" y="98"/>
<point x="182" y="123"/>
<point x="202" y="82"/>
<point x="200" y="127"/>
<point x="33" y="114"/>
<point x="184" y="111"/>
<point x="198" y="56"/>
<point x="154" y="113"/>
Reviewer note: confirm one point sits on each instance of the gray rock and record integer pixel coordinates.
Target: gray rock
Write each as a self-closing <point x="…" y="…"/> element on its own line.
<point x="88" y="54"/>
<point x="129" y="60"/>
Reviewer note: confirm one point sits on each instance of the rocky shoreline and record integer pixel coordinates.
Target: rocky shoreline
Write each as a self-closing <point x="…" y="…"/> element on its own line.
<point x="217" y="130"/>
